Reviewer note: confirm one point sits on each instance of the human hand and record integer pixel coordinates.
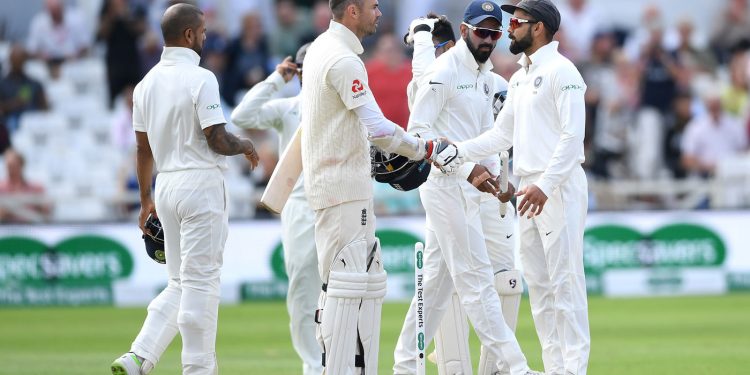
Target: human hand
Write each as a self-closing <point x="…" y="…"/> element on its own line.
<point x="147" y="208"/>
<point x="505" y="197"/>
<point x="251" y="155"/>
<point x="533" y="201"/>
<point x="287" y="69"/>
<point x="483" y="180"/>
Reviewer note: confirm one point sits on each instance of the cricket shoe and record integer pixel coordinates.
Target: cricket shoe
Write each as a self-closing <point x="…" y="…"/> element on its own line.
<point x="131" y="364"/>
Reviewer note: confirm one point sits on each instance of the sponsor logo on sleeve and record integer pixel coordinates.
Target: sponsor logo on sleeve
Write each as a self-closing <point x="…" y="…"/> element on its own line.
<point x="213" y="106"/>
<point x="572" y="87"/>
<point x="358" y="89"/>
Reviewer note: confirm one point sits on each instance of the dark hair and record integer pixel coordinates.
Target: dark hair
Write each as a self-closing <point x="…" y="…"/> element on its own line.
<point x="177" y="19"/>
<point x="338" y="6"/>
<point x="443" y="29"/>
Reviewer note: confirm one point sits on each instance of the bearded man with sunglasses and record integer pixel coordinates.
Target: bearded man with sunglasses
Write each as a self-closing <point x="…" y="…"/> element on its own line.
<point x="543" y="120"/>
<point x="454" y="99"/>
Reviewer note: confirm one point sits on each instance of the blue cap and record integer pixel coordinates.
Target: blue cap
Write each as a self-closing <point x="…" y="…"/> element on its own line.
<point x="480" y="10"/>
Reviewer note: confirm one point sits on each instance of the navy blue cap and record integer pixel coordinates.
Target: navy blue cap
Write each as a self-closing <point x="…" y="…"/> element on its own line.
<point x="480" y="10"/>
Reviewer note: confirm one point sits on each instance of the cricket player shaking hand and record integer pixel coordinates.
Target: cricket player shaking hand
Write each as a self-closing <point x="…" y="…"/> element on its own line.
<point x="339" y="119"/>
<point x="432" y="36"/>
<point x="543" y="119"/>
<point x="180" y="129"/>
<point x="454" y="99"/>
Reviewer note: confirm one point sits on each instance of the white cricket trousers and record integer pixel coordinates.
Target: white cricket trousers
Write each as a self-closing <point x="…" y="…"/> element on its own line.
<point x="498" y="234"/>
<point x="301" y="262"/>
<point x="456" y="256"/>
<point x="552" y="257"/>
<point x="192" y="207"/>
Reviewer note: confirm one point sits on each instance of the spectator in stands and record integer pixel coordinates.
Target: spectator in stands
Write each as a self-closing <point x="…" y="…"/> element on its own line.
<point x="689" y="56"/>
<point x="390" y="73"/>
<point x="583" y="23"/>
<point x="213" y="57"/>
<point x="677" y="121"/>
<point x="595" y="70"/>
<point x="711" y="137"/>
<point x="120" y="28"/>
<point x="19" y="92"/>
<point x="735" y="97"/>
<point x="19" y="199"/>
<point x="57" y="34"/>
<point x="247" y="59"/>
<point x="321" y="14"/>
<point x="659" y="75"/>
<point x="730" y="28"/>
<point x="293" y="25"/>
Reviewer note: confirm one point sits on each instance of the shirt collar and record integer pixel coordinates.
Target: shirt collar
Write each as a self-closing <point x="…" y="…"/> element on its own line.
<point x="545" y="53"/>
<point x="464" y="54"/>
<point x="174" y="55"/>
<point x="347" y="36"/>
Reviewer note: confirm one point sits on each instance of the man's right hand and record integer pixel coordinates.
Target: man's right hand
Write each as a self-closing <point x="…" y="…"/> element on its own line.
<point x="147" y="207"/>
<point x="287" y="69"/>
<point x="483" y="180"/>
<point x="250" y="154"/>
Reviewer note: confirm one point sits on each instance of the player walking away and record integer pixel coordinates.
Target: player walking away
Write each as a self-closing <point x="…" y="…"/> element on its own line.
<point x="258" y="111"/>
<point x="336" y="102"/>
<point x="179" y="129"/>
<point x="454" y="99"/>
<point x="431" y="37"/>
<point x="543" y="119"/>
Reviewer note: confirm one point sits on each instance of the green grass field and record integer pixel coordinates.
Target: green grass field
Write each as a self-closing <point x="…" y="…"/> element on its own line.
<point x="687" y="335"/>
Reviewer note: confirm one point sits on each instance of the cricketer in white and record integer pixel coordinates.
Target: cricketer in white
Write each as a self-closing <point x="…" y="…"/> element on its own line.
<point x="543" y="120"/>
<point x="339" y="116"/>
<point x="454" y="99"/>
<point x="258" y="110"/>
<point x="452" y="338"/>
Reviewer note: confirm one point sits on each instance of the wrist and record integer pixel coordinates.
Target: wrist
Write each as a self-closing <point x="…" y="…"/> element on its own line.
<point x="429" y="147"/>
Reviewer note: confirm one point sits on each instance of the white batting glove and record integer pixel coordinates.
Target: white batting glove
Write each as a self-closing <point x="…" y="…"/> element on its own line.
<point x="429" y="22"/>
<point x="444" y="155"/>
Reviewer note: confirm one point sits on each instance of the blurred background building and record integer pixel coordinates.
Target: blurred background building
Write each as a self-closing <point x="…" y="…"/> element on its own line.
<point x="667" y="101"/>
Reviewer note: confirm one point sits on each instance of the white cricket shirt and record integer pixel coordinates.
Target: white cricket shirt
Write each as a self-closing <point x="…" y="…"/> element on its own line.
<point x="173" y="104"/>
<point x="335" y="148"/>
<point x="454" y="98"/>
<point x="543" y="119"/>
<point x="258" y="110"/>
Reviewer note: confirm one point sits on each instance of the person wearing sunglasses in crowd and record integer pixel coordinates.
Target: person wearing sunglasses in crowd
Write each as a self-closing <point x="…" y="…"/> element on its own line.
<point x="543" y="119"/>
<point x="430" y="37"/>
<point x="258" y="110"/>
<point x="454" y="99"/>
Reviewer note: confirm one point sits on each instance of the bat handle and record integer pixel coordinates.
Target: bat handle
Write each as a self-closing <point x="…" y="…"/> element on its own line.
<point x="504" y="181"/>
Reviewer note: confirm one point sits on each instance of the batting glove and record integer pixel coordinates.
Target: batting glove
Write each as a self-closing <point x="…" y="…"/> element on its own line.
<point x="417" y="25"/>
<point x="443" y="155"/>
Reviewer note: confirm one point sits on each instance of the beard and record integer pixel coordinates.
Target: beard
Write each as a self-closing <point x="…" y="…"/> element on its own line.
<point x="519" y="45"/>
<point x="481" y="56"/>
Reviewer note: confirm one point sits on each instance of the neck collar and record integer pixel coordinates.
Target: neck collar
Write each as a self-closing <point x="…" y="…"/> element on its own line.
<point x="174" y="55"/>
<point x="541" y="55"/>
<point x="347" y="36"/>
<point x="463" y="52"/>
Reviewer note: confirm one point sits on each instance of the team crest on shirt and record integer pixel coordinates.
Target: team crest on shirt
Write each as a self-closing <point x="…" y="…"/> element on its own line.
<point x="537" y="82"/>
<point x="486" y="89"/>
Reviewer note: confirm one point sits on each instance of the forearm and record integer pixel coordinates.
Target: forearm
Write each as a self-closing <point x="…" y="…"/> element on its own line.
<point x="252" y="111"/>
<point x="144" y="168"/>
<point x="387" y="135"/>
<point x="224" y="143"/>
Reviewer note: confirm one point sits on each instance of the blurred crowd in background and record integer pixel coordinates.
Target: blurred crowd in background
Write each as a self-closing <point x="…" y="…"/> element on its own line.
<point x="667" y="127"/>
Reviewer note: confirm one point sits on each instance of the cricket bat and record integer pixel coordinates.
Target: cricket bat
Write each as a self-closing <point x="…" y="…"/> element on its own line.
<point x="284" y="176"/>
<point x="504" y="180"/>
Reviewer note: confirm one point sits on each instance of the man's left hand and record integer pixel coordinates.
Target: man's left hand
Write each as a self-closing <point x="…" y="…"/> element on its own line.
<point x="533" y="201"/>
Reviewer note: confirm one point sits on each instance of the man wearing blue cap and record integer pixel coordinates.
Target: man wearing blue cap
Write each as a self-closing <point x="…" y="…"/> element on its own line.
<point x="543" y="119"/>
<point x="454" y="100"/>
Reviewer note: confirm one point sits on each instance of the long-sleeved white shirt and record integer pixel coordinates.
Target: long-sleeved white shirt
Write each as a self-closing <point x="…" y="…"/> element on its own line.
<point x="258" y="110"/>
<point x="543" y="119"/>
<point x="451" y="96"/>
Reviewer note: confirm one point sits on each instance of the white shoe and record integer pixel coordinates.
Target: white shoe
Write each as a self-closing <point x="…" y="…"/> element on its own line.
<point x="131" y="364"/>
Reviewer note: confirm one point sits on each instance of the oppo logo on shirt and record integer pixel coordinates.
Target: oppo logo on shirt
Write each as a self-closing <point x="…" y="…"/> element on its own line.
<point x="572" y="87"/>
<point x="465" y="86"/>
<point x="213" y="106"/>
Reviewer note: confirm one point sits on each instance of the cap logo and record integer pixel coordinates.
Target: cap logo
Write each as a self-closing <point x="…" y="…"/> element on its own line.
<point x="488" y="7"/>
